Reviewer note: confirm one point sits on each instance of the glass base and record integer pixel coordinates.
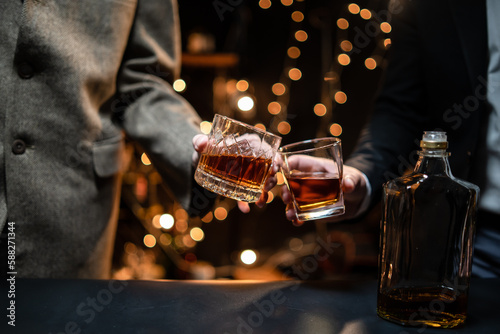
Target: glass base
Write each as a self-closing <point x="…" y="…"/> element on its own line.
<point x="226" y="188"/>
<point x="321" y="213"/>
<point x="423" y="306"/>
<point x="442" y="320"/>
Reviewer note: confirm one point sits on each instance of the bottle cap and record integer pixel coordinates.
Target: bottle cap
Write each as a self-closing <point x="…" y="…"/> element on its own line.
<point x="434" y="139"/>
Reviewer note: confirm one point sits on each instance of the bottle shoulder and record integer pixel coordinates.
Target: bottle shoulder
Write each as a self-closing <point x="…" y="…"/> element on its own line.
<point x="425" y="181"/>
<point x="407" y="180"/>
<point x="466" y="184"/>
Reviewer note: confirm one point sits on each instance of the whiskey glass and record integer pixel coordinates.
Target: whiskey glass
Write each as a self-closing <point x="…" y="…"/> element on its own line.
<point x="312" y="170"/>
<point x="237" y="160"/>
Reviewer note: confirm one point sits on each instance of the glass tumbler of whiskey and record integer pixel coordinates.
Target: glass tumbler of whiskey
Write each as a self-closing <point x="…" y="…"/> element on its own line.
<point x="312" y="170"/>
<point x="237" y="159"/>
<point x="426" y="244"/>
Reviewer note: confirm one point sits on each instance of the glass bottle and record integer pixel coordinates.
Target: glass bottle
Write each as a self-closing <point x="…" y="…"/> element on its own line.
<point x="427" y="234"/>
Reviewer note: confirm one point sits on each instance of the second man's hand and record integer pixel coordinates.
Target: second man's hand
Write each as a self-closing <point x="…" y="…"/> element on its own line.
<point x="355" y="189"/>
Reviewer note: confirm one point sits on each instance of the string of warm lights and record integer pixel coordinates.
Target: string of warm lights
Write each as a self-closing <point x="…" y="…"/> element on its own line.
<point x="291" y="73"/>
<point x="375" y="29"/>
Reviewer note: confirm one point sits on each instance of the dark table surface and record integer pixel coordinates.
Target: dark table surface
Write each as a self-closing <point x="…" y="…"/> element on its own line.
<point x="99" y="306"/>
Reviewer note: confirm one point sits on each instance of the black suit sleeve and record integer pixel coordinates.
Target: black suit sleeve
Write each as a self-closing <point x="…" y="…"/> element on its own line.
<point x="387" y="143"/>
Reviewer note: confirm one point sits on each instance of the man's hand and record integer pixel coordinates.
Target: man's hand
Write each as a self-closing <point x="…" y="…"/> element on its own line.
<point x="200" y="143"/>
<point x="355" y="189"/>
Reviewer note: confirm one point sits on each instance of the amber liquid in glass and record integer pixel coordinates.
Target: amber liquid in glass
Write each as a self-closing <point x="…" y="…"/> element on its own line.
<point x="243" y="170"/>
<point x="234" y="176"/>
<point x="313" y="190"/>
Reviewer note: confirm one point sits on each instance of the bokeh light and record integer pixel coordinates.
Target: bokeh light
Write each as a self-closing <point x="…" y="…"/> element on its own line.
<point x="179" y="85"/>
<point x="264" y="4"/>
<point x="335" y="129"/>
<point x="181" y="225"/>
<point x="260" y="126"/>
<point x="197" y="234"/>
<point x="149" y="240"/>
<point x="280" y="179"/>
<point x="248" y="257"/>
<point x="340" y="97"/>
<point x="295" y="74"/>
<point x="231" y="86"/>
<point x="205" y="127"/>
<point x="284" y="128"/>
<point x="353" y="8"/>
<point x="346" y="46"/>
<point x="145" y="160"/>
<point x="301" y="36"/>
<point x="245" y="103"/>
<point x="130" y="248"/>
<point x="296" y="244"/>
<point x="274" y="108"/>
<point x="178" y="241"/>
<point x="342" y="24"/>
<point x="220" y="213"/>
<point x="208" y="217"/>
<point x="385" y="27"/>
<point x="188" y="241"/>
<point x="190" y="258"/>
<point x="270" y="197"/>
<point x="167" y="221"/>
<point x="344" y="59"/>
<point x="242" y="85"/>
<point x="278" y="89"/>
<point x="297" y="16"/>
<point x="293" y="52"/>
<point x="181" y="214"/>
<point x="165" y="239"/>
<point x="156" y="221"/>
<point x="365" y="14"/>
<point x="320" y="109"/>
<point x="370" y="63"/>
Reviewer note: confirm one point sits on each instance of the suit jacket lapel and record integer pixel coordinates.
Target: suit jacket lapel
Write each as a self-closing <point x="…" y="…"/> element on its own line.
<point x="470" y="22"/>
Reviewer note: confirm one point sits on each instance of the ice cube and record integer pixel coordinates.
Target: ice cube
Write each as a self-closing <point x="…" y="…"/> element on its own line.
<point x="245" y="148"/>
<point x="231" y="145"/>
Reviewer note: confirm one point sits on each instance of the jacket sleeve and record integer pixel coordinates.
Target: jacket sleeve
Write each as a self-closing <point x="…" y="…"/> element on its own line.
<point x="387" y="144"/>
<point x="147" y="108"/>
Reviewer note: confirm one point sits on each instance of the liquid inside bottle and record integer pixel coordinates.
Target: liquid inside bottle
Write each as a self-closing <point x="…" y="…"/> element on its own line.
<point x="427" y="234"/>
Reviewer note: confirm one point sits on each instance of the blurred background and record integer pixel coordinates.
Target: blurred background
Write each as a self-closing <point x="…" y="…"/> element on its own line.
<point x="298" y="68"/>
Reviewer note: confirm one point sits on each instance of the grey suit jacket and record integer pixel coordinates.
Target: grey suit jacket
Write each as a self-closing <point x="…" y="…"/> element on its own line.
<point x="75" y="77"/>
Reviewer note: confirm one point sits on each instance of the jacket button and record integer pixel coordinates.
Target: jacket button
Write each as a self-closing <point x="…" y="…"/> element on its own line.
<point x="25" y="70"/>
<point x="19" y="146"/>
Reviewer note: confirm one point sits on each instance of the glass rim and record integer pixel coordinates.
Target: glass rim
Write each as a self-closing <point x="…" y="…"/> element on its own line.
<point x="256" y="129"/>
<point x="331" y="141"/>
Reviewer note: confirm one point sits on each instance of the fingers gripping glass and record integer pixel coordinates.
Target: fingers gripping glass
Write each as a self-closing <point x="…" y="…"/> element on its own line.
<point x="313" y="175"/>
<point x="237" y="160"/>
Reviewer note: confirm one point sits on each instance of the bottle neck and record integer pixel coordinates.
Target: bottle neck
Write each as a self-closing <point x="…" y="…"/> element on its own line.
<point x="433" y="162"/>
